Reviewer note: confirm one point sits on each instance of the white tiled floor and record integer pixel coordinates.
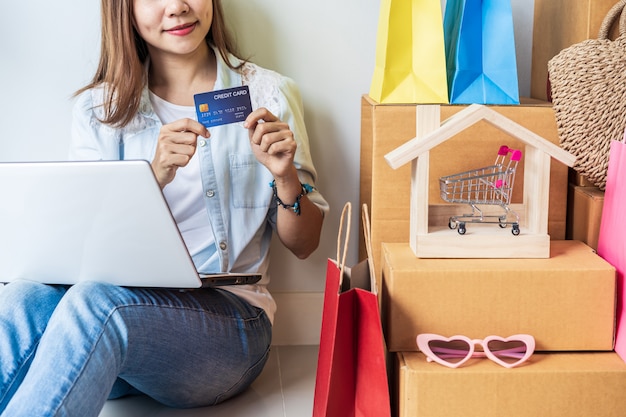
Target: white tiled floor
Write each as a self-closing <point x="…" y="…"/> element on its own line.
<point x="284" y="389"/>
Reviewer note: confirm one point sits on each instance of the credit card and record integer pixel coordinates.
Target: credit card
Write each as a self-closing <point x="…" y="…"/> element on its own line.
<point x="221" y="107"/>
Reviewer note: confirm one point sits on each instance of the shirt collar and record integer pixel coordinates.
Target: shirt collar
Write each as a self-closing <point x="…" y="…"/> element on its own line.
<point x="226" y="78"/>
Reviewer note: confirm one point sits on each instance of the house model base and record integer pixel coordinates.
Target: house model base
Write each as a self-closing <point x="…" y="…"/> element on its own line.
<point x="432" y="238"/>
<point x="481" y="241"/>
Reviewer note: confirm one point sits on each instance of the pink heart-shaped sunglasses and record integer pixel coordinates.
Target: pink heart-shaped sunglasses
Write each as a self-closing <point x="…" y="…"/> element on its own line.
<point x="456" y="350"/>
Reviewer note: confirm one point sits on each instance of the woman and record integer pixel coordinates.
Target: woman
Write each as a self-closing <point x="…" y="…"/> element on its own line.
<point x="64" y="351"/>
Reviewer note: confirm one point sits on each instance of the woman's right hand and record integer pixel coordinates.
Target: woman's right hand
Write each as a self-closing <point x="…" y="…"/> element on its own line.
<point x="176" y="145"/>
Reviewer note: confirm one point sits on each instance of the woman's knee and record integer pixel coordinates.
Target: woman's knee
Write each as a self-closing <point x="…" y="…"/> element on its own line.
<point x="22" y="294"/>
<point x="91" y="298"/>
<point x="86" y="315"/>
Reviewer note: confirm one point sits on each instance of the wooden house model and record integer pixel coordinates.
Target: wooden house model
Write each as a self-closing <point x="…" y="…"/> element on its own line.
<point x="432" y="238"/>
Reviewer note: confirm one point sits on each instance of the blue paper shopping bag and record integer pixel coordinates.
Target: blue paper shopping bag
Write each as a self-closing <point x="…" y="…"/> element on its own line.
<point x="480" y="52"/>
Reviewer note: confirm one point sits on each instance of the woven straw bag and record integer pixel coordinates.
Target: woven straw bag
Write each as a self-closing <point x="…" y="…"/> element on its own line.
<point x="588" y="82"/>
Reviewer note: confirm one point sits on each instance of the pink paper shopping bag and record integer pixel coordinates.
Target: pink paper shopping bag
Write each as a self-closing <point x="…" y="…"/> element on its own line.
<point x="612" y="237"/>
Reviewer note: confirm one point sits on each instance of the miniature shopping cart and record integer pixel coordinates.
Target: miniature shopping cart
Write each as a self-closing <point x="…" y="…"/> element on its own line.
<point x="491" y="185"/>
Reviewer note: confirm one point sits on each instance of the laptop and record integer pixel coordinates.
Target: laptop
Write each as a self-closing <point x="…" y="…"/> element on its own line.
<point x="66" y="222"/>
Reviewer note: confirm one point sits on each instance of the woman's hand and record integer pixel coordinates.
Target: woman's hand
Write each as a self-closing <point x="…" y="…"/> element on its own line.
<point x="272" y="142"/>
<point x="175" y="147"/>
<point x="274" y="146"/>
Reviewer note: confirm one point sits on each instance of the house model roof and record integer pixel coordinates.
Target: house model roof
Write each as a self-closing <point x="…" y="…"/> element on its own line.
<point x="466" y="118"/>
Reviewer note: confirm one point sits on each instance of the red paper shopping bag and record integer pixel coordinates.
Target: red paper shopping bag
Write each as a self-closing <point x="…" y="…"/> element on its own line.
<point x="351" y="372"/>
<point x="612" y="236"/>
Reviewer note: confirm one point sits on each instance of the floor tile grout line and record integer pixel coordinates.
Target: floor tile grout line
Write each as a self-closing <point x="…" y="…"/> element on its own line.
<point x="280" y="382"/>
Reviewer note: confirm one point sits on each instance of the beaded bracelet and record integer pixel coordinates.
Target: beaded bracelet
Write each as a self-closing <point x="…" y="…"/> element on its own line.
<point x="295" y="207"/>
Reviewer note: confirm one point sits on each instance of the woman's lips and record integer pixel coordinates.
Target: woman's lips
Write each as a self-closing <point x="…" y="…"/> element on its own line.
<point x="182" y="30"/>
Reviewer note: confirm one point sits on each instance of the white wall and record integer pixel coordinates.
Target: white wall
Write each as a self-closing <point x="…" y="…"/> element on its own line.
<point x="50" y="49"/>
<point x="47" y="51"/>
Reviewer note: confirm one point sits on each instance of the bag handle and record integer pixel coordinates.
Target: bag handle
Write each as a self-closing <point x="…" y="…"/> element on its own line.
<point x="367" y="235"/>
<point x="611" y="18"/>
<point x="346" y="217"/>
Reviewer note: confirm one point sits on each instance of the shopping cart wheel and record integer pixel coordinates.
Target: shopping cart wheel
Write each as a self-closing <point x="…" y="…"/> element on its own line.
<point x="451" y="224"/>
<point x="461" y="228"/>
<point x="515" y="229"/>
<point x="502" y="222"/>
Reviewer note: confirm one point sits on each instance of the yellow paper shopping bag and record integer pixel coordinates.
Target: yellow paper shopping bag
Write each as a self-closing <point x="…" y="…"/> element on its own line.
<point x="410" y="53"/>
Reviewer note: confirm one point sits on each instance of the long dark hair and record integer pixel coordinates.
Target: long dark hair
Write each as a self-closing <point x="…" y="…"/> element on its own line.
<point x="123" y="54"/>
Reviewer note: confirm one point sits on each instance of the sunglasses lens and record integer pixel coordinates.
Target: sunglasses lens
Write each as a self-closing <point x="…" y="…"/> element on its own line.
<point x="453" y="351"/>
<point x="508" y="351"/>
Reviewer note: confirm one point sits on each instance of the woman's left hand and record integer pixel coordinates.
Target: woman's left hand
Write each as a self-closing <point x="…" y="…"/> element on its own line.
<point x="272" y="141"/>
<point x="274" y="146"/>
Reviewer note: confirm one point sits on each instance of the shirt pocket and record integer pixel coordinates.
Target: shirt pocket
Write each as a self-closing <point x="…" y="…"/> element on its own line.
<point x="249" y="183"/>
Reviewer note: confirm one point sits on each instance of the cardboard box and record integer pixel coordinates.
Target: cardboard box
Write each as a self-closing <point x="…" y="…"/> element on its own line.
<point x="577" y="179"/>
<point x="557" y="25"/>
<point x="384" y="127"/>
<point x="567" y="302"/>
<point x="584" y="214"/>
<point x="550" y="384"/>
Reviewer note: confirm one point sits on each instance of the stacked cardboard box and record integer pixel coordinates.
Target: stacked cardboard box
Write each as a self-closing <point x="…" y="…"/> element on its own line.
<point x="384" y="127"/>
<point x="554" y="385"/>
<point x="559" y="24"/>
<point x="566" y="301"/>
<point x="584" y="213"/>
<point x="584" y="210"/>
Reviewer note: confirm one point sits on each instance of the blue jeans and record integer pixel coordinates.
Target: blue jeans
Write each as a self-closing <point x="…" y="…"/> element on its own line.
<point x="65" y="350"/>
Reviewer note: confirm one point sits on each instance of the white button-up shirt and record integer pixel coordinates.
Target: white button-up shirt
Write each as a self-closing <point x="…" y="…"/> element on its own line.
<point x="238" y="199"/>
